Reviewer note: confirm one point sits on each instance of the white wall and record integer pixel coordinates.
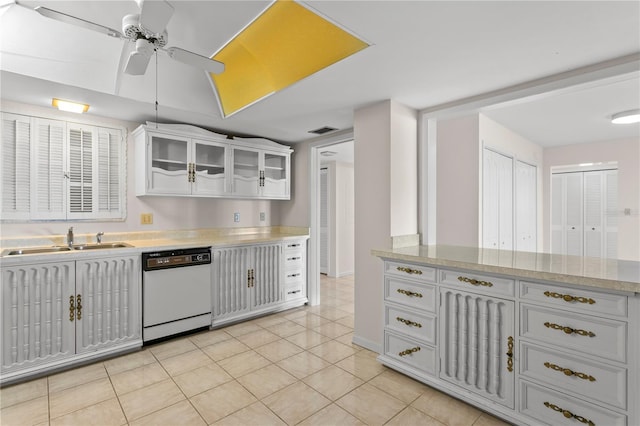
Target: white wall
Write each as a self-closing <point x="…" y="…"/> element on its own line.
<point x="458" y="168"/>
<point x="627" y="153"/>
<point x="377" y="151"/>
<point x="168" y="212"/>
<point x="295" y="212"/>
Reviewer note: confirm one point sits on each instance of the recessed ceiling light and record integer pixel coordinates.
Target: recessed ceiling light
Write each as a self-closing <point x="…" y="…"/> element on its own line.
<point x="69" y="106"/>
<point x="626" y="117"/>
<point x="328" y="153"/>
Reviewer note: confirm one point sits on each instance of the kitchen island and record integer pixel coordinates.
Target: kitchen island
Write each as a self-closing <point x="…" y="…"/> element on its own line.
<point x="533" y="338"/>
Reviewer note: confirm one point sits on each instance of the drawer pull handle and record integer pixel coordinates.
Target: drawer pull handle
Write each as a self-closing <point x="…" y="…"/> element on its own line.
<point x="409" y="351"/>
<point x="293" y="275"/>
<point x="408" y="322"/>
<point x="510" y="354"/>
<point x="294" y="292"/>
<point x="569" y="298"/>
<point x="293" y="245"/>
<point x="473" y="281"/>
<point x="409" y="293"/>
<point x="409" y="270"/>
<point x="568" y="414"/>
<point x="568" y="372"/>
<point x="569" y="330"/>
<point x="294" y="258"/>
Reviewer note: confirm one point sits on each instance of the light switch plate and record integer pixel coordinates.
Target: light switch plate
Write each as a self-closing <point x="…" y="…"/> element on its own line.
<point x="236" y="217"/>
<point x="146" y="218"/>
<point x="262" y="216"/>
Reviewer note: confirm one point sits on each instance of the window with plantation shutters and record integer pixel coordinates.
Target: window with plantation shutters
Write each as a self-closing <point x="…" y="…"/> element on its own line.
<point x="56" y="170"/>
<point x="16" y="158"/>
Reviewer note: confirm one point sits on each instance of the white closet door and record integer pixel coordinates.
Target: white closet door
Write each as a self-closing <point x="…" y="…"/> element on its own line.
<point x="490" y="200"/>
<point x="573" y="214"/>
<point x="593" y="213"/>
<point x="611" y="214"/>
<point x="324" y="222"/>
<point x="505" y="207"/>
<point x="525" y="206"/>
<point x="558" y="182"/>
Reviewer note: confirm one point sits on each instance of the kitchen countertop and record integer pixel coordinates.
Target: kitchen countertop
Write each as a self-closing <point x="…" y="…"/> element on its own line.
<point x="610" y="274"/>
<point x="149" y="241"/>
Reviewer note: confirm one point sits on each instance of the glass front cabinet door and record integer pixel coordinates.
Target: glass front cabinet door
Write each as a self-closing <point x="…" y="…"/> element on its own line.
<point x="169" y="169"/>
<point x="275" y="175"/>
<point x="262" y="174"/>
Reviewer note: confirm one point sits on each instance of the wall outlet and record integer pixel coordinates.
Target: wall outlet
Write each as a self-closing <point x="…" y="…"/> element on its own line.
<point x="146" y="218"/>
<point x="262" y="216"/>
<point x="236" y="217"/>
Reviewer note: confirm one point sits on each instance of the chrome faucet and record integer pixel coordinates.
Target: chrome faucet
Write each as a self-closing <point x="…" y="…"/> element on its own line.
<point x="70" y="236"/>
<point x="99" y="237"/>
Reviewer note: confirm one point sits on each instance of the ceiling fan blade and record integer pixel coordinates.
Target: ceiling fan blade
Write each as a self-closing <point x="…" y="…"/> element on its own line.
<point x="127" y="49"/>
<point x="68" y="19"/>
<point x="155" y="15"/>
<point x="139" y="59"/>
<point x="195" y="60"/>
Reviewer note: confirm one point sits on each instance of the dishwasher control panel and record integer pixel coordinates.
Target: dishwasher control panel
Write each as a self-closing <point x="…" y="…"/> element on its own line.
<point x="176" y="258"/>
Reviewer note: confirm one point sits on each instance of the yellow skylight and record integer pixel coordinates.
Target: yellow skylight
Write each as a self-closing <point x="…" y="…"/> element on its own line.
<point x="283" y="45"/>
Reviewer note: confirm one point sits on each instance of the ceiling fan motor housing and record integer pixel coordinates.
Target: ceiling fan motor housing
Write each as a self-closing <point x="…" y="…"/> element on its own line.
<point x="132" y="30"/>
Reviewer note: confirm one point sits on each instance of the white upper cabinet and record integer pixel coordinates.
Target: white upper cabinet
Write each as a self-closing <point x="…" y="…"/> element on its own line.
<point x="57" y="170"/>
<point x="182" y="160"/>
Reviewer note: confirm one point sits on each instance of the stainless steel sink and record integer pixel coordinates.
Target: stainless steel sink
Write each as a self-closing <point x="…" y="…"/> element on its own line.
<point x="35" y="250"/>
<point x="98" y="246"/>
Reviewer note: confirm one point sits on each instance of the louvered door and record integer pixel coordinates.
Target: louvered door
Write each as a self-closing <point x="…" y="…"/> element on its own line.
<point x="231" y="282"/>
<point x="38" y="325"/>
<point x="266" y="286"/>
<point x="16" y="166"/>
<point x="109" y="305"/>
<point x="476" y="336"/>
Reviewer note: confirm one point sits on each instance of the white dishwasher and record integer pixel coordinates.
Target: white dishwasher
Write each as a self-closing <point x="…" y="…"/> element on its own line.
<point x="176" y="291"/>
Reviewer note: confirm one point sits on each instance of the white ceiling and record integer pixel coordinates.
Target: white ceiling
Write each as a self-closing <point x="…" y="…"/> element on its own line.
<point x="423" y="53"/>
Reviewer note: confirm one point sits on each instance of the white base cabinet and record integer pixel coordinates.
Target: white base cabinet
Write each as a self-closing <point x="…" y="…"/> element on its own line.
<point x="532" y="353"/>
<point x="58" y="314"/>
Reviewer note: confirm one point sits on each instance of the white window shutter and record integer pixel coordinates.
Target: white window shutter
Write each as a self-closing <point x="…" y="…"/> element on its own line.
<point x="110" y="181"/>
<point x="48" y="162"/>
<point x="82" y="155"/>
<point x="16" y="166"/>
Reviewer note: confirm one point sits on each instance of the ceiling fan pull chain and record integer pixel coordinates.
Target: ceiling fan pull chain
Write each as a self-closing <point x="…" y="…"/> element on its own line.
<point x="156" y="51"/>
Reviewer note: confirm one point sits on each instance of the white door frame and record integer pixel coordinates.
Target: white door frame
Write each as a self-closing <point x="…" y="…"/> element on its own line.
<point x="314" y="208"/>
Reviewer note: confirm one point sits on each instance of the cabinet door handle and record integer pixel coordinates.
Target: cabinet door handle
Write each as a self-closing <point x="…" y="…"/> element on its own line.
<point x="569" y="298"/>
<point x="569" y="330"/>
<point x="568" y="414"/>
<point x="409" y="270"/>
<point x="510" y="354"/>
<point x="408" y="293"/>
<point x="409" y="351"/>
<point x="568" y="372"/>
<point x="78" y="307"/>
<point x="72" y="308"/>
<point x="409" y="322"/>
<point x="473" y="281"/>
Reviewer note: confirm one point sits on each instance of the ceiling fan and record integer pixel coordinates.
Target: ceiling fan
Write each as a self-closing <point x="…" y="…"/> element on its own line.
<point x="144" y="33"/>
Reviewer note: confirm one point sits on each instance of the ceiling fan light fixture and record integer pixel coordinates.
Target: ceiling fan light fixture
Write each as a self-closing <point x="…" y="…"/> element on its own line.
<point x="626" y="117"/>
<point x="69" y="106"/>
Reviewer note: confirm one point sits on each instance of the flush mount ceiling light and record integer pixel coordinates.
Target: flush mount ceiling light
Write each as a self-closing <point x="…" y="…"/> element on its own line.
<point x="285" y="44"/>
<point x="69" y="106"/>
<point x="328" y="153"/>
<point x="626" y="117"/>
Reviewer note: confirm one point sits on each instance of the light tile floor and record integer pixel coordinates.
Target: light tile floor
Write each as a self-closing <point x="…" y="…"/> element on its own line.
<point x="293" y="367"/>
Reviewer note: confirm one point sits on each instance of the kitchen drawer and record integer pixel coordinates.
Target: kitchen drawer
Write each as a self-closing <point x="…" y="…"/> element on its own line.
<point x="418" y="326"/>
<point x="409" y="293"/>
<point x="591" y="335"/>
<point x="293" y="276"/>
<point x="293" y="292"/>
<point x="575" y="374"/>
<point x="584" y="301"/>
<point x="414" y="272"/>
<point x="546" y="406"/>
<point x="294" y="246"/>
<point x="410" y="352"/>
<point x="485" y="284"/>
<point x="294" y="260"/>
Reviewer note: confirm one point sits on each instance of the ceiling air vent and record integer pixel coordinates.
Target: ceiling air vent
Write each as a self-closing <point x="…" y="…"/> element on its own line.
<point x="323" y="130"/>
